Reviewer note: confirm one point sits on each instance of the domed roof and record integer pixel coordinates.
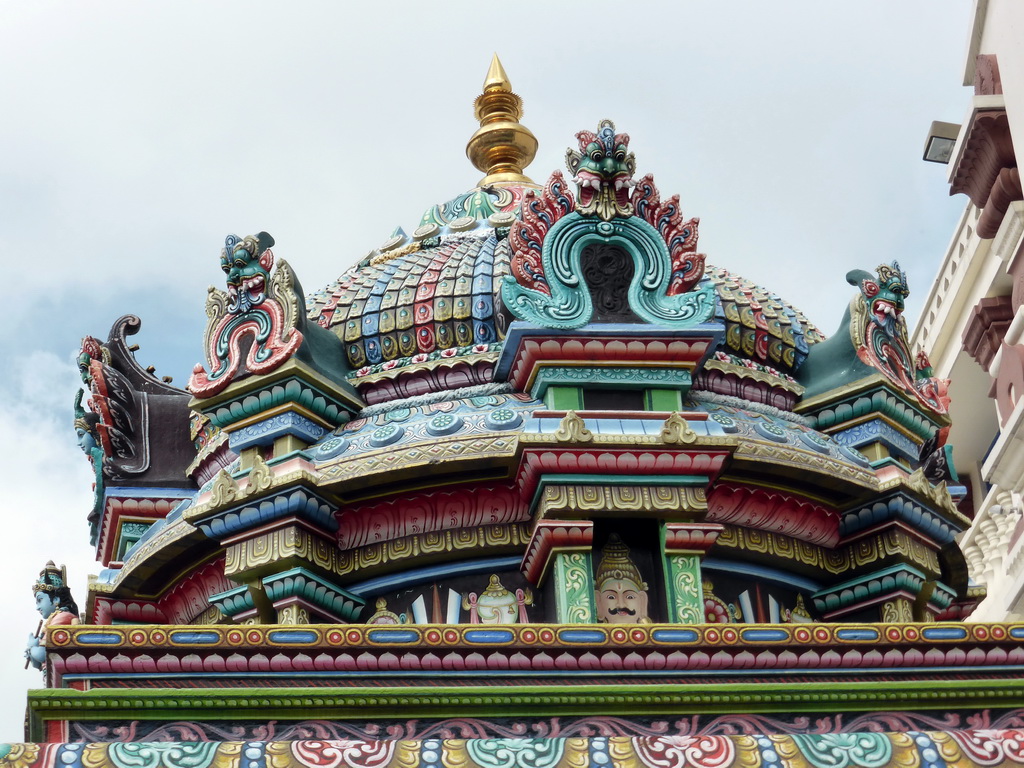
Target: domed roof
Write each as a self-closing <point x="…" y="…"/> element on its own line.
<point x="441" y="290"/>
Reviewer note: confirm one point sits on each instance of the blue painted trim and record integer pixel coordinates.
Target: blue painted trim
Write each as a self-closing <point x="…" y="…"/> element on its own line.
<point x="944" y="633"/>
<point x="674" y="636"/>
<point x="99" y="638"/>
<point x="582" y="635"/>
<point x="124" y="492"/>
<point x="292" y="636"/>
<point x="782" y="578"/>
<point x="197" y="638"/>
<point x="405" y="579"/>
<point x="755" y="635"/>
<point x="858" y="634"/>
<point x="488" y="636"/>
<point x="388" y="636"/>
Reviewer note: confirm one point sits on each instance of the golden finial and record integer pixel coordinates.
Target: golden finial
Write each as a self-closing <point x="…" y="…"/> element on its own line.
<point x="502" y="147"/>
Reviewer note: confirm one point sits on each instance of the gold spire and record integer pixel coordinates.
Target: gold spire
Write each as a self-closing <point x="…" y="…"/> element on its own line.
<point x="502" y="147"/>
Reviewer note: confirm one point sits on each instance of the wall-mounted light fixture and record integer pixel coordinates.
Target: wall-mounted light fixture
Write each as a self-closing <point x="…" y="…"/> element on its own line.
<point x="941" y="139"/>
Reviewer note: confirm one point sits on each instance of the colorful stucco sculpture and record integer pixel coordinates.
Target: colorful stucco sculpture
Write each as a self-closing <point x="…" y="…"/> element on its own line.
<point x="698" y="534"/>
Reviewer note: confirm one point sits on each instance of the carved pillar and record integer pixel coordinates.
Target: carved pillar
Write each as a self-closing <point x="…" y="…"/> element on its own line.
<point x="899" y="610"/>
<point x="564" y="548"/>
<point x="892" y="591"/>
<point x="574" y="588"/>
<point x="683" y="546"/>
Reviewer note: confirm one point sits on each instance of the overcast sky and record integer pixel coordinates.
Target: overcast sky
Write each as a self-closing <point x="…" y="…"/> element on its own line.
<point x="136" y="135"/>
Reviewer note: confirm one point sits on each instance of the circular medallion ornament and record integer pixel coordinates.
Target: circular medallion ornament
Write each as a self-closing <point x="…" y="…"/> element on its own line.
<point x="816" y="441"/>
<point x="484" y="400"/>
<point x="386" y="435"/>
<point x="60" y="637"/>
<point x="998" y="633"/>
<point x="451" y="636"/>
<point x="528" y="636"/>
<point x="546" y="636"/>
<point x="234" y="637"/>
<point x="893" y="635"/>
<point x="462" y="224"/>
<point x="619" y="636"/>
<point x="771" y="431"/>
<point x="354" y="636"/>
<point x="329" y="448"/>
<point x="503" y="418"/>
<point x="391" y="243"/>
<point x="254" y="636"/>
<point x="334" y="637"/>
<point x="398" y="414"/>
<point x="157" y="636"/>
<point x="444" y="424"/>
<point x="802" y="634"/>
<point x="727" y="423"/>
<point x="855" y="456"/>
<point x="427" y="230"/>
<point x="910" y="633"/>
<point x="711" y="636"/>
<point x="501" y="219"/>
<point x="137" y="638"/>
<point x="822" y="635"/>
<point x="638" y="635"/>
<point x="605" y="228"/>
<point x="730" y="635"/>
<point x="432" y="636"/>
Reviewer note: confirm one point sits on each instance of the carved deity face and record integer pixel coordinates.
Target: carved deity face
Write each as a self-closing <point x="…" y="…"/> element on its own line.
<point x="621" y="601"/>
<point x="46" y="604"/>
<point x="85" y="440"/>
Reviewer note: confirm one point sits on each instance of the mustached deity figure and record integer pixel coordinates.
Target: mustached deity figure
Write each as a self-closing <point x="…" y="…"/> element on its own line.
<point x="621" y="590"/>
<point x="55" y="605"/>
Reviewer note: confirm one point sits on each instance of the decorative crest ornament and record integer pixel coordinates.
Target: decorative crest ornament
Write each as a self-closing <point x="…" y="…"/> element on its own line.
<point x="572" y="429"/>
<point x="258" y="310"/>
<point x="224" y="490"/>
<point x="260" y="477"/>
<point x="554" y="231"/>
<point x="677" y="431"/>
<point x="878" y="332"/>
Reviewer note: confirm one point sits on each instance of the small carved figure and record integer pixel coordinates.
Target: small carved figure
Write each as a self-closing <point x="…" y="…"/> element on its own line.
<point x="496" y="605"/>
<point x="621" y="590"/>
<point x="87" y="430"/>
<point x="55" y="605"/>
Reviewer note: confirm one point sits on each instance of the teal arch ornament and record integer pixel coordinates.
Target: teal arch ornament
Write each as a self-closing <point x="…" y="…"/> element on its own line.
<point x="569" y="305"/>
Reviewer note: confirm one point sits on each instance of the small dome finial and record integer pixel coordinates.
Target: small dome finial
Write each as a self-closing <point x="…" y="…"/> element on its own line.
<point x="502" y="147"/>
<point x="496" y="77"/>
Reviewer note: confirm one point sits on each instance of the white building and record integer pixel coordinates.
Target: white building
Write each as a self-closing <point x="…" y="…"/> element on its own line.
<point x="972" y="325"/>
